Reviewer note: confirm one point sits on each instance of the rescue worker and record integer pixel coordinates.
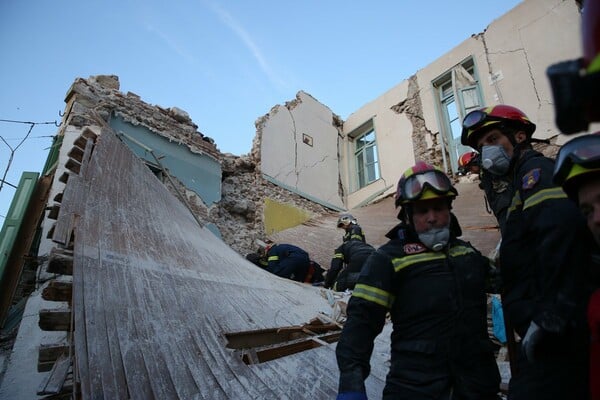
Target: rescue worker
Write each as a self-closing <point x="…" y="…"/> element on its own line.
<point x="434" y="287"/>
<point x="496" y="188"/>
<point x="578" y="171"/>
<point x="576" y="90"/>
<point x="287" y="261"/>
<point x="351" y="228"/>
<point x="346" y="264"/>
<point x="468" y="162"/>
<point x="542" y="258"/>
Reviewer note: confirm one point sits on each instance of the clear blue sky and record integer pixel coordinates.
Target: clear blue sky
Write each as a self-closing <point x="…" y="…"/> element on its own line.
<point x="226" y="63"/>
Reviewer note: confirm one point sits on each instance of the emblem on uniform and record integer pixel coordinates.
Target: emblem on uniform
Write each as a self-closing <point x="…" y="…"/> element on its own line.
<point x="414" y="248"/>
<point x="531" y="178"/>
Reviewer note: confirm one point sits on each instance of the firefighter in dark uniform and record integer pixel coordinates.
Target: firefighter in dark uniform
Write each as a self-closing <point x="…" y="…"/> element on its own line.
<point x="352" y="230"/>
<point x="433" y="285"/>
<point x="578" y="171"/>
<point x="542" y="258"/>
<point x="498" y="195"/>
<point x="287" y="261"/>
<point x="346" y="264"/>
<point x="497" y="189"/>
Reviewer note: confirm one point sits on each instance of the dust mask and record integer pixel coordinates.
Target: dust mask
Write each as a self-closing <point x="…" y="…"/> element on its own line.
<point x="435" y="238"/>
<point x="495" y="160"/>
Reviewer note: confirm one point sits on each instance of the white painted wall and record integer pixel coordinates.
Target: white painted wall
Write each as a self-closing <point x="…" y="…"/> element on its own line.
<point x="520" y="46"/>
<point x="311" y="171"/>
<point x="394" y="144"/>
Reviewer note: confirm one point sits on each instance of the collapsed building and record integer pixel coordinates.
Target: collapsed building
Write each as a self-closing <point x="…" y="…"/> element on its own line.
<point x="134" y="233"/>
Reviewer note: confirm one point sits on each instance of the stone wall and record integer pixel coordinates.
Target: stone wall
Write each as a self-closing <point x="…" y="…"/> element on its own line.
<point x="239" y="213"/>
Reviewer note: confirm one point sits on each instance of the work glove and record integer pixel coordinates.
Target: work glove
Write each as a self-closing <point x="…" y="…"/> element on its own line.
<point x="351" y="396"/>
<point x="531" y="341"/>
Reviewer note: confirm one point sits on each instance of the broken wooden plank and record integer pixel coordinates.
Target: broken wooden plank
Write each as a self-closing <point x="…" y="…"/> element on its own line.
<point x="58" y="291"/>
<point x="60" y="262"/>
<point x="56" y="379"/>
<point x="81" y="374"/>
<point x="49" y="353"/>
<point x="72" y="202"/>
<point x="55" y="320"/>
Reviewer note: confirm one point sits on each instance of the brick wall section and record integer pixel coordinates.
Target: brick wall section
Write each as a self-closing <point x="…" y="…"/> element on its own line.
<point x="426" y="144"/>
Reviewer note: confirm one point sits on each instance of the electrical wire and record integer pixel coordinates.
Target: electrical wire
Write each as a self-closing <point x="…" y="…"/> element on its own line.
<point x="13" y="150"/>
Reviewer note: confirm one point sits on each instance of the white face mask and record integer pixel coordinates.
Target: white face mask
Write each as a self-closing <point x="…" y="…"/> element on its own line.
<point x="435" y="238"/>
<point x="495" y="160"/>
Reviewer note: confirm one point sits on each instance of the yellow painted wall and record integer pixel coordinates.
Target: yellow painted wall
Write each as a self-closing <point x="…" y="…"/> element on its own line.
<point x="280" y="216"/>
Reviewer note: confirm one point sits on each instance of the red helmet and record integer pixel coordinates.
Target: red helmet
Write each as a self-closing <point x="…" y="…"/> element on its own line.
<point x="576" y="83"/>
<point x="485" y="117"/>
<point x="422" y="182"/>
<point x="467" y="158"/>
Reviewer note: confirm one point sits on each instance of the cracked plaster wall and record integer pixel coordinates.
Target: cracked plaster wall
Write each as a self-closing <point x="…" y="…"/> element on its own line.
<point x="301" y="141"/>
<point x="515" y="49"/>
<point x="394" y="135"/>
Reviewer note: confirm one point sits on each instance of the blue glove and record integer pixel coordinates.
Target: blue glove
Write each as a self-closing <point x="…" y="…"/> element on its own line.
<point x="351" y="396"/>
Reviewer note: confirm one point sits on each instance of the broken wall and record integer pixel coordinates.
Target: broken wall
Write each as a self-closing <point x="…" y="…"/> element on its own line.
<point x="299" y="150"/>
<point x="226" y="192"/>
<point x="509" y="62"/>
<point x="394" y="134"/>
<point x="511" y="58"/>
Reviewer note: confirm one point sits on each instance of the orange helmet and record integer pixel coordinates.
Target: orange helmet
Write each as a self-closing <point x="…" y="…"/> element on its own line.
<point x="485" y="117"/>
<point x="422" y="182"/>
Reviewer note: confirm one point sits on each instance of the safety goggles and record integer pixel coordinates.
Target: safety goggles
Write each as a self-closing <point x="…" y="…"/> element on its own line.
<point x="412" y="188"/>
<point x="576" y="95"/>
<point x="583" y="150"/>
<point x="476" y="118"/>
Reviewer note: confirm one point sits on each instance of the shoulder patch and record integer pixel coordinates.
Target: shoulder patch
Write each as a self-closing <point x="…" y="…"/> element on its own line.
<point x="414" y="248"/>
<point x="531" y="178"/>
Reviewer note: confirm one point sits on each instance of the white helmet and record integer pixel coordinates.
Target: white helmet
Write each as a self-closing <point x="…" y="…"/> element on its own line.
<point x="345" y="220"/>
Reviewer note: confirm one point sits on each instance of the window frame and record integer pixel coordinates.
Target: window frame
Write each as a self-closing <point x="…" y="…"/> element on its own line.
<point x="448" y="92"/>
<point x="366" y="171"/>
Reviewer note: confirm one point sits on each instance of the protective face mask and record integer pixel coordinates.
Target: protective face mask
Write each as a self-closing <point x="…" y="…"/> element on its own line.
<point x="435" y="238"/>
<point x="495" y="160"/>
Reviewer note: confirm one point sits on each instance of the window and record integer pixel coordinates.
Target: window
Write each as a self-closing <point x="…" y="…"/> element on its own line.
<point x="458" y="93"/>
<point x="365" y="154"/>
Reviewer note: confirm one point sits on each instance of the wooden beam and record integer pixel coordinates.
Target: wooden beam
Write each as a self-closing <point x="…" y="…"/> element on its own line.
<point x="55" y="381"/>
<point x="51" y="351"/>
<point x="54" y="210"/>
<point x="64" y="177"/>
<point x="60" y="262"/>
<point x="73" y="166"/>
<point x="55" y="320"/>
<point x="58" y="291"/>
